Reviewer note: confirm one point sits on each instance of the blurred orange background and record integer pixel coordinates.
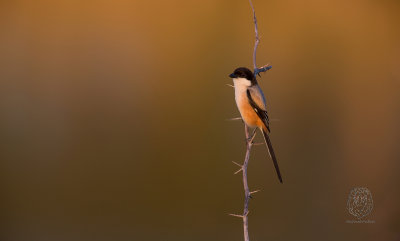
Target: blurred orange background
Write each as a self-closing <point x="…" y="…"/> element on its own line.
<point x="114" y="119"/>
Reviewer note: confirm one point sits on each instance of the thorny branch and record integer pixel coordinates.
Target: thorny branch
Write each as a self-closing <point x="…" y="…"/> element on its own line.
<point x="257" y="71"/>
<point x="249" y="143"/>
<point x="247" y="192"/>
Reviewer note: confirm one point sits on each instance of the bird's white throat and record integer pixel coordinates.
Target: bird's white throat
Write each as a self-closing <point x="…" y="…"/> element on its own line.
<point x="241" y="83"/>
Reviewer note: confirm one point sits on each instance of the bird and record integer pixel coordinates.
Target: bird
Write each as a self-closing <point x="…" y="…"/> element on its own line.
<point x="251" y="103"/>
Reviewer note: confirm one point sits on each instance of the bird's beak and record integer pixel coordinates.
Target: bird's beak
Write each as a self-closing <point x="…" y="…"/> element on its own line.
<point x="232" y="75"/>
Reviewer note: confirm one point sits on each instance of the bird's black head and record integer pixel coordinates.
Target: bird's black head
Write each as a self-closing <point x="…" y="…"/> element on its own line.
<point x="243" y="72"/>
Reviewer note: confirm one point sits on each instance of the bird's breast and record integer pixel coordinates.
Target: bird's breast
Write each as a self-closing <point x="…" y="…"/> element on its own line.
<point x="249" y="116"/>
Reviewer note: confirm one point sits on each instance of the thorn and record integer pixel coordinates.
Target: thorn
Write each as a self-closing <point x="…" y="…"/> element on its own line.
<point x="237" y="164"/>
<point x="230" y="85"/>
<point x="246" y="214"/>
<point x="250" y="140"/>
<point x="241" y="169"/>
<point x="250" y="193"/>
<point x="235" y="215"/>
<point x="233" y="119"/>
<point x="254" y="191"/>
<point x="265" y="66"/>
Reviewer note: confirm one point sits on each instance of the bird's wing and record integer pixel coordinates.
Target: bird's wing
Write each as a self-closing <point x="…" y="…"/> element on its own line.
<point x="256" y="99"/>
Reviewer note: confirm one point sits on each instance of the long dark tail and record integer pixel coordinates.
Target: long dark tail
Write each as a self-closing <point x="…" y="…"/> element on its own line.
<point x="272" y="154"/>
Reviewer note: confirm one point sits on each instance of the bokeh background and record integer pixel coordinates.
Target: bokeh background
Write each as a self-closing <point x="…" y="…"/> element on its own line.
<point x="113" y="119"/>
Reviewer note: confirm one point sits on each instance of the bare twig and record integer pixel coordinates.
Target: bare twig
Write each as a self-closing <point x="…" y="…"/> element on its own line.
<point x="257" y="71"/>
<point x="257" y="38"/>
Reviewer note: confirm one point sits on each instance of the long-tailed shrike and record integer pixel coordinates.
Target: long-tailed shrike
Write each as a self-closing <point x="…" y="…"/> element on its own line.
<point x="250" y="101"/>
